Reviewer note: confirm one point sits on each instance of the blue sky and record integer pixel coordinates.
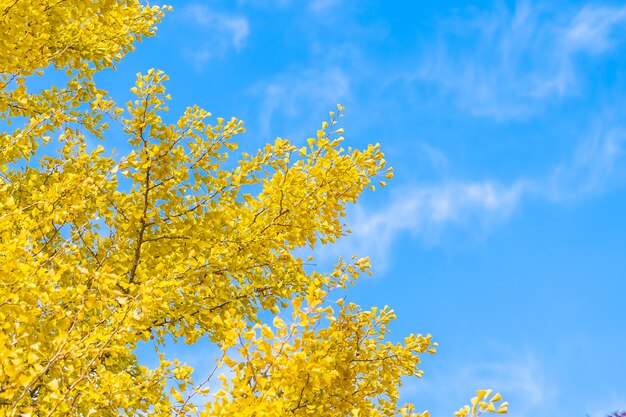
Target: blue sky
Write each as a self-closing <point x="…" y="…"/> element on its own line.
<point x="503" y="233"/>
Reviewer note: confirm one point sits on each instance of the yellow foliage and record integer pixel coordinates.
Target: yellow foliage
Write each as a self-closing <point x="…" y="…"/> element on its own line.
<point x="481" y="403"/>
<point x="99" y="253"/>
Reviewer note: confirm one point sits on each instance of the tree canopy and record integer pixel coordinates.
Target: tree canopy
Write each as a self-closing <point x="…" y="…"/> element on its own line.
<point x="99" y="253"/>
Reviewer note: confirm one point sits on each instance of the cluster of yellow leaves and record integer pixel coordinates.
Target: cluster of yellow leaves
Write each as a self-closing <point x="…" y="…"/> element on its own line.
<point x="481" y="403"/>
<point x="99" y="254"/>
<point x="76" y="38"/>
<point x="319" y="359"/>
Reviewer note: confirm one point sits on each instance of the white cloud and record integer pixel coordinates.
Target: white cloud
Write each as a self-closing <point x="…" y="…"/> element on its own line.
<point x="519" y="376"/>
<point x="303" y="95"/>
<point x="434" y="156"/>
<point x="219" y="33"/>
<point x="510" y="63"/>
<point x="592" y="28"/>
<point x="265" y="3"/>
<point x="425" y="211"/>
<point x="418" y="208"/>
<point x="323" y="5"/>
<point x="597" y="164"/>
<point x="316" y="6"/>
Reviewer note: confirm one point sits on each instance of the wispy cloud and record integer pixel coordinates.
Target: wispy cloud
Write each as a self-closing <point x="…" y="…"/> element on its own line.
<point x="219" y="33"/>
<point x="519" y="376"/>
<point x="510" y="63"/>
<point x="425" y="211"/>
<point x="316" y="6"/>
<point x="597" y="164"/>
<point x="265" y="3"/>
<point x="323" y="5"/>
<point x="592" y="28"/>
<point x="299" y="95"/>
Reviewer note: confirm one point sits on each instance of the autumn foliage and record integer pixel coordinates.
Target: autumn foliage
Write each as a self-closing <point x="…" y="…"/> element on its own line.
<point x="99" y="253"/>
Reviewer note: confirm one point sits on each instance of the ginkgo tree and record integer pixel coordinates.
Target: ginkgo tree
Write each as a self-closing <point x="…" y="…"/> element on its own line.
<point x="99" y="253"/>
